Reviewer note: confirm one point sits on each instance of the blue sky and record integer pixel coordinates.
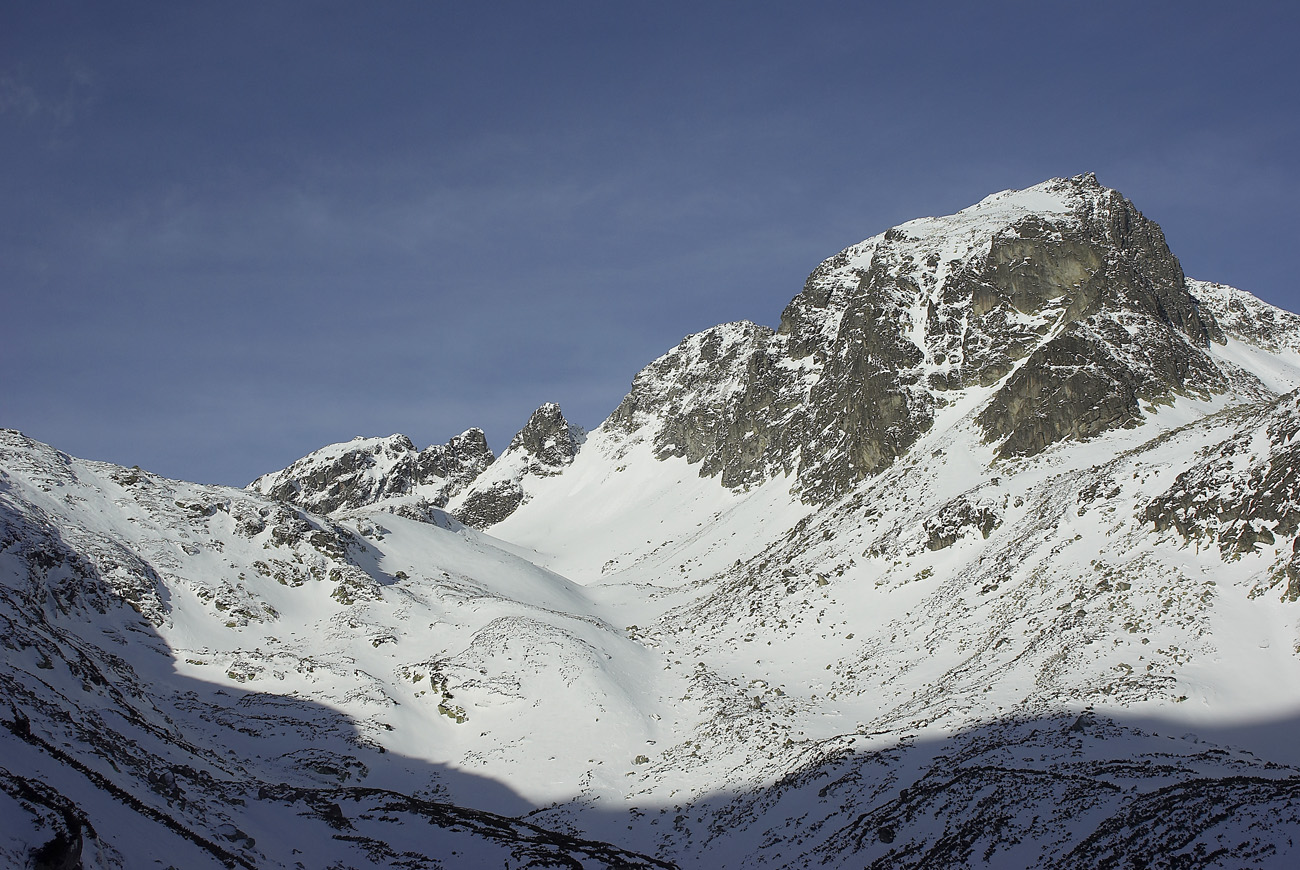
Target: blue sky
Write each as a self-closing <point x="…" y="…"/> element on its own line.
<point x="232" y="233"/>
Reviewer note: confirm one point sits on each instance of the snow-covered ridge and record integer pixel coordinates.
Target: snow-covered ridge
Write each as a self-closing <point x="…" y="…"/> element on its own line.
<point x="197" y="644"/>
<point x="1248" y="318"/>
<point x="944" y="243"/>
<point x="363" y="471"/>
<point x="461" y="478"/>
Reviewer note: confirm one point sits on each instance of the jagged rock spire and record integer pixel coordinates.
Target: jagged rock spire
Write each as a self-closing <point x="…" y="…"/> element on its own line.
<point x="545" y="446"/>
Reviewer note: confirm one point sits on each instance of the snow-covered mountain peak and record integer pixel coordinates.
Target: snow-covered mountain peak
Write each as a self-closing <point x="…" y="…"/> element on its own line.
<point x="944" y="243"/>
<point x="1055" y="313"/>
<point x="1030" y="247"/>
<point x="381" y="454"/>
<point x="392" y="474"/>
<point x="548" y="440"/>
<point x="1057" y="201"/>
<point x="986" y="556"/>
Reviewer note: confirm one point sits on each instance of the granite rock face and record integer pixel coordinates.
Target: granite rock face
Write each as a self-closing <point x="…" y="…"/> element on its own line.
<point x="367" y="470"/>
<point x="1129" y="331"/>
<point x="1063" y="299"/>
<point x="458" y="462"/>
<point x="718" y="398"/>
<point x="490" y="505"/>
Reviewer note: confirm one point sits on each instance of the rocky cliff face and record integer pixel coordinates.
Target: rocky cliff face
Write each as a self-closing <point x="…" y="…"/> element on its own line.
<point x="367" y="470"/>
<point x="547" y="443"/>
<point x="1059" y="310"/>
<point x="1063" y="302"/>
<point x="717" y="399"/>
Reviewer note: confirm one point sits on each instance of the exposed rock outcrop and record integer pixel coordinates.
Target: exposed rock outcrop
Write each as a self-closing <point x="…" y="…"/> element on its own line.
<point x="544" y="447"/>
<point x="719" y="398"/>
<point x="364" y="471"/>
<point x="1247" y="318"/>
<point x="547" y="443"/>
<point x="1244" y="494"/>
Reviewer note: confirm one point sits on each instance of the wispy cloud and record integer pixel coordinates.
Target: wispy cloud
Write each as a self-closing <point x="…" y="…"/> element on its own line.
<point x="58" y="101"/>
<point x="17" y="97"/>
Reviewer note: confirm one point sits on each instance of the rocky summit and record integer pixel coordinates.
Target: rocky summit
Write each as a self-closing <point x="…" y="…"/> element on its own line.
<point x="986" y="555"/>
